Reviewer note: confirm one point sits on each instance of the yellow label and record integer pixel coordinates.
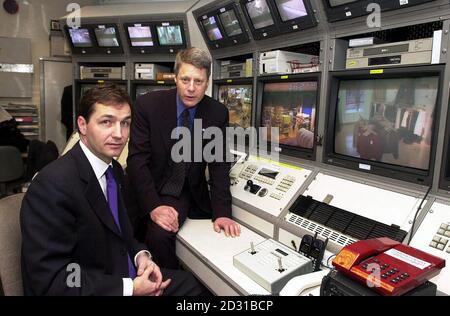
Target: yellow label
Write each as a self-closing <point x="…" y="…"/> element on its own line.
<point x="377" y="71"/>
<point x="100" y="81"/>
<point x="351" y="63"/>
<point x="278" y="163"/>
<point x="229" y="81"/>
<point x="160" y="82"/>
<point x="284" y="77"/>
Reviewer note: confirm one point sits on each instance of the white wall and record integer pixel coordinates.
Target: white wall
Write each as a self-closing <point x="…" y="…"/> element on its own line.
<point x="33" y="21"/>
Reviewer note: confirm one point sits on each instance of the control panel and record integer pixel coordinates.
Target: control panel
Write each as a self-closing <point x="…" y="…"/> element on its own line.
<point x="433" y="236"/>
<point x="271" y="264"/>
<point x="266" y="185"/>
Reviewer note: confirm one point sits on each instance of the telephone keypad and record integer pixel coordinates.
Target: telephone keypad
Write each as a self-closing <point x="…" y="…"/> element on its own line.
<point x="439" y="242"/>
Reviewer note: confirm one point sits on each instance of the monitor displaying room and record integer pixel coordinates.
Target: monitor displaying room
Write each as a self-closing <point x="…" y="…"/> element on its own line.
<point x="169" y="35"/>
<point x="80" y="37"/>
<point x="387" y="120"/>
<point x="238" y="100"/>
<point x="212" y="29"/>
<point x="291" y="107"/>
<point x="230" y="23"/>
<point x="140" y="36"/>
<point x="291" y="9"/>
<point x="335" y="3"/>
<point x="106" y="37"/>
<point x="259" y="13"/>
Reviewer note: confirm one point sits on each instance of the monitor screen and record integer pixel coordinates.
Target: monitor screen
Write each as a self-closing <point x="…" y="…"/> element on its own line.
<point x="259" y="13"/>
<point x="291" y="9"/>
<point x="212" y="29"/>
<point x="387" y="120"/>
<point x="106" y="37"/>
<point x="80" y="37"/>
<point x="238" y="100"/>
<point x="230" y="23"/>
<point x="290" y="106"/>
<point x="335" y="3"/>
<point x="140" y="36"/>
<point x="144" y="89"/>
<point x="169" y="35"/>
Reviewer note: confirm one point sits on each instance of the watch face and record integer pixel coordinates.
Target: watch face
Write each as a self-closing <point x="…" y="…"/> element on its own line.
<point x="11" y="6"/>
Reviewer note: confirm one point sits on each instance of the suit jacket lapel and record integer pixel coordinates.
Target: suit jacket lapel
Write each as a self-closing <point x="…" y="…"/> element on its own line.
<point x="93" y="191"/>
<point x="169" y="121"/>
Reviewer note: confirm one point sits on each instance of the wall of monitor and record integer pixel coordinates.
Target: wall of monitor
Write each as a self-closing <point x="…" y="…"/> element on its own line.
<point x="376" y="113"/>
<point x="383" y="122"/>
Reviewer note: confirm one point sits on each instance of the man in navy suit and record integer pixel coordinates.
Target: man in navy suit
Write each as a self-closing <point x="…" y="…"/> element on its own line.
<point x="76" y="235"/>
<point x="168" y="191"/>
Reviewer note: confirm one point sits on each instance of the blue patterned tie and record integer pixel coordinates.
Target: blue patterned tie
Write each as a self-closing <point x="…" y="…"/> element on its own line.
<point x="111" y="193"/>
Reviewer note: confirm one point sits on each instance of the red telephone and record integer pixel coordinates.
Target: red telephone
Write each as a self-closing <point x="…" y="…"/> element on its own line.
<point x="388" y="266"/>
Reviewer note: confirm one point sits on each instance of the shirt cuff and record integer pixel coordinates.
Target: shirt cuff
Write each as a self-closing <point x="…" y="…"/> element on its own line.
<point x="127" y="287"/>
<point x="137" y="255"/>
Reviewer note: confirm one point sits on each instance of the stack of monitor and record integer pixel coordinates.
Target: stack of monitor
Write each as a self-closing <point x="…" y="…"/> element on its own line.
<point x="142" y="37"/>
<point x="223" y="27"/>
<point x="337" y="10"/>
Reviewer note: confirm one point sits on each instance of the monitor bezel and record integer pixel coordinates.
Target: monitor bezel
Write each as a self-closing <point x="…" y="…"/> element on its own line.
<point x="265" y="32"/>
<point x="82" y="50"/>
<point x="294" y="25"/>
<point x="171" y="49"/>
<point x="299" y="152"/>
<point x="403" y="173"/>
<point x="106" y="49"/>
<point x="141" y="49"/>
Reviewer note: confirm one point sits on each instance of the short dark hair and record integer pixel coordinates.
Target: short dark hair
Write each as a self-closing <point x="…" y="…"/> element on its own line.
<point x="109" y="94"/>
<point x="194" y="56"/>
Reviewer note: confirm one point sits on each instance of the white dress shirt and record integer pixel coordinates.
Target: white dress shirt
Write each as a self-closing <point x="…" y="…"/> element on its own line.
<point x="100" y="167"/>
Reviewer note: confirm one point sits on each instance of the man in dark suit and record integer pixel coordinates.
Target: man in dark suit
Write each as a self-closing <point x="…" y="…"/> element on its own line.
<point x="169" y="191"/>
<point x="76" y="235"/>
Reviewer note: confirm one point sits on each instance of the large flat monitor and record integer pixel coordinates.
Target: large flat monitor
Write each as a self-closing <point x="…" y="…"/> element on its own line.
<point x="81" y="40"/>
<point x="171" y="36"/>
<point x="291" y="106"/>
<point x="238" y="99"/>
<point x="294" y="15"/>
<point x="385" y="124"/>
<point x="108" y="39"/>
<point x="140" y="37"/>
<point x="222" y="27"/>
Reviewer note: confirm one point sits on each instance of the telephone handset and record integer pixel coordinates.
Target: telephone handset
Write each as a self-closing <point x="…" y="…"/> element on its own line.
<point x="387" y="266"/>
<point x="236" y="171"/>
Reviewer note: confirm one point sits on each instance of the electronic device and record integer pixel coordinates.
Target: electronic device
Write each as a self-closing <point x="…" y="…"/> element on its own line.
<point x="290" y="105"/>
<point x="272" y="187"/>
<point x="141" y="89"/>
<point x="260" y="18"/>
<point x="283" y="62"/>
<point x="148" y="71"/>
<point x="230" y="69"/>
<point x="389" y="266"/>
<point x="271" y="264"/>
<point x="238" y="99"/>
<point x="433" y="236"/>
<point x="313" y="248"/>
<point x="141" y="37"/>
<point x="400" y="53"/>
<point x="303" y="284"/>
<point x="221" y="26"/>
<point x="108" y="39"/>
<point x="81" y="39"/>
<point x="388" y="103"/>
<point x="171" y="36"/>
<point x="102" y="72"/>
<point x="294" y="15"/>
<point x="338" y="284"/>
<point x="338" y="10"/>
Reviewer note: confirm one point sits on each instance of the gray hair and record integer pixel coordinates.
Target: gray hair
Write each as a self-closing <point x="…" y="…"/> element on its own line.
<point x="194" y="56"/>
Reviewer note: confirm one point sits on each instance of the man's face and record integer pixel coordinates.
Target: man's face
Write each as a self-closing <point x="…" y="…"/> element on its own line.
<point x="107" y="131"/>
<point x="192" y="83"/>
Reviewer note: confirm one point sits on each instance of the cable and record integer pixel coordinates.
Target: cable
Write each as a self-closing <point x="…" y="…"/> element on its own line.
<point x="328" y="261"/>
<point x="417" y="213"/>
